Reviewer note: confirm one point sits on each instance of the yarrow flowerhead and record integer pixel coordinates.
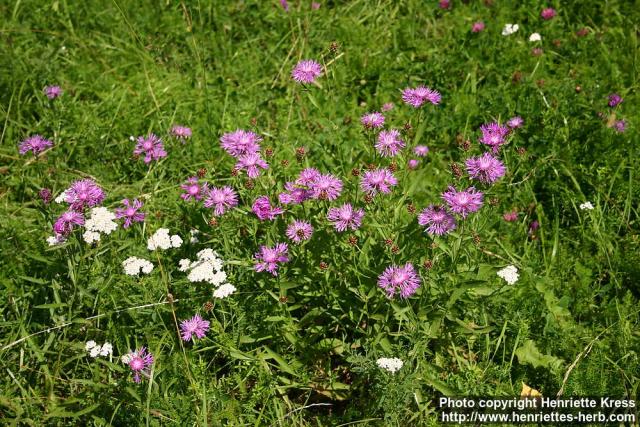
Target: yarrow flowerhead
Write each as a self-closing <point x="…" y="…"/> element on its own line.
<point x="345" y="217"/>
<point x="614" y="99"/>
<point x="535" y="37"/>
<point x="485" y="168"/>
<point x="306" y="71"/>
<point x="224" y="291"/>
<point x="36" y="144"/>
<point x="84" y="193"/>
<point x="325" y="187"/>
<point x="52" y="92"/>
<point x="139" y="362"/>
<point x="509" y="274"/>
<point x="299" y="231"/>
<point x="251" y="163"/>
<point x="221" y="199"/>
<point x="151" y="146"/>
<point x="240" y="142"/>
<point x="269" y="258"/>
<point x="418" y="96"/>
<point x="437" y="220"/>
<point x="133" y="266"/>
<point x="421" y="150"/>
<point x="378" y="181"/>
<point x="162" y="240"/>
<point x="493" y="135"/>
<point x="389" y="143"/>
<point x="207" y="268"/>
<point x="193" y="328"/>
<point x="392" y="365"/>
<point x="263" y="209"/>
<point x="130" y="212"/>
<point x="65" y="222"/>
<point x="100" y="222"/>
<point x="548" y="13"/>
<point x="181" y="132"/>
<point x="373" y="120"/>
<point x="477" y="27"/>
<point x="509" y="29"/>
<point x="586" y="206"/>
<point x="402" y="280"/>
<point x="463" y="202"/>
<point x="193" y="189"/>
<point x="96" y="350"/>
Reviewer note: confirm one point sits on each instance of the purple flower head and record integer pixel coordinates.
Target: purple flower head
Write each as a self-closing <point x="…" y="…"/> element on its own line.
<point x="240" y="142"/>
<point x="65" y="222"/>
<point x="387" y="106"/>
<point x="84" y="193"/>
<point x="463" y="202"/>
<point x="269" y="258"/>
<point x="139" y="362"/>
<point x="251" y="163"/>
<point x="130" y="212"/>
<point x="345" y="217"/>
<point x="181" y="132"/>
<point x="45" y="195"/>
<point x="515" y="122"/>
<point x="195" y="326"/>
<point x="493" y="135"/>
<point x="315" y="5"/>
<point x="485" y="168"/>
<point x="437" y="220"/>
<point x="151" y="146"/>
<point x="299" y="231"/>
<point x="444" y="4"/>
<point x="373" y="120"/>
<point x="548" y="13"/>
<point x="534" y="226"/>
<point x="378" y="181"/>
<point x="294" y="194"/>
<point x="223" y="199"/>
<point x="36" y="144"/>
<point x="620" y="125"/>
<point x="477" y="27"/>
<point x="52" y="92"/>
<point x="263" y="209"/>
<point x="389" y="143"/>
<point x="306" y="71"/>
<point x="614" y="99"/>
<point x="418" y="96"/>
<point x="193" y="190"/>
<point x="510" y="216"/>
<point x="308" y="176"/>
<point x="421" y="150"/>
<point x="399" y="280"/>
<point x="413" y="163"/>
<point x="284" y="5"/>
<point x="325" y="187"/>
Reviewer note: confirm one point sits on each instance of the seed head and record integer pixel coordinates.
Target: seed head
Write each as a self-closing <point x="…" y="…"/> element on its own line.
<point x="201" y="172"/>
<point x="323" y="265"/>
<point x="249" y="184"/>
<point x="355" y="172"/>
<point x="427" y="264"/>
<point x="456" y="170"/>
<point x="353" y="240"/>
<point x="207" y="306"/>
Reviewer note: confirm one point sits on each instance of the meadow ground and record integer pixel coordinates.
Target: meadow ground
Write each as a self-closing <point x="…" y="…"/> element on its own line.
<point x="295" y="335"/>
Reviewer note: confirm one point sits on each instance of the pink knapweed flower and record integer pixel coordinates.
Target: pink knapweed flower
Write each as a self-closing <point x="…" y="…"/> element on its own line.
<point x="181" y="132"/>
<point x="193" y="328"/>
<point x="240" y="142"/>
<point x="45" y="195"/>
<point x="477" y="27"/>
<point x="620" y="125"/>
<point x="463" y="202"/>
<point x="548" y="13"/>
<point x="614" y="99"/>
<point x="510" y="216"/>
<point x="413" y="163"/>
<point x="373" y="120"/>
<point x="151" y="146"/>
<point x="299" y="231"/>
<point x="295" y="194"/>
<point x="251" y="163"/>
<point x="306" y="71"/>
<point x="65" y="222"/>
<point x="387" y="106"/>
<point x="130" y="212"/>
<point x="193" y="189"/>
<point x="485" y="168"/>
<point x="493" y="135"/>
<point x="378" y="181"/>
<point x="263" y="209"/>
<point x="140" y="362"/>
<point x="221" y="199"/>
<point x="84" y="193"/>
<point x="267" y="259"/>
<point x="52" y="92"/>
<point x="418" y="96"/>
<point x="515" y="122"/>
<point x="36" y="144"/>
<point x="402" y="280"/>
<point x="421" y="150"/>
<point x="389" y="143"/>
<point x="345" y="217"/>
<point x="437" y="220"/>
<point x="325" y="187"/>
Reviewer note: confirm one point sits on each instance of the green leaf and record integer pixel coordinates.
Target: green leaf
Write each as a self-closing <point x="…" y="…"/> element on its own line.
<point x="528" y="353"/>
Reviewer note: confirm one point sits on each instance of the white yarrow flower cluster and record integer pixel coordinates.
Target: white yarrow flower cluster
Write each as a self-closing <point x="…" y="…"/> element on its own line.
<point x="61" y="197"/>
<point x="535" y="37"/>
<point x="586" y="206"/>
<point x="390" y="364"/>
<point x="207" y="268"/>
<point x="96" y="350"/>
<point x="134" y="265"/>
<point x="162" y="240"/>
<point x="509" y="29"/>
<point x="101" y="221"/>
<point x="56" y="239"/>
<point x="224" y="291"/>
<point x="509" y="274"/>
<point x="194" y="235"/>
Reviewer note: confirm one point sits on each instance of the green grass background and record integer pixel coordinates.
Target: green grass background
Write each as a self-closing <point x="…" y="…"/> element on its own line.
<point x="133" y="67"/>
